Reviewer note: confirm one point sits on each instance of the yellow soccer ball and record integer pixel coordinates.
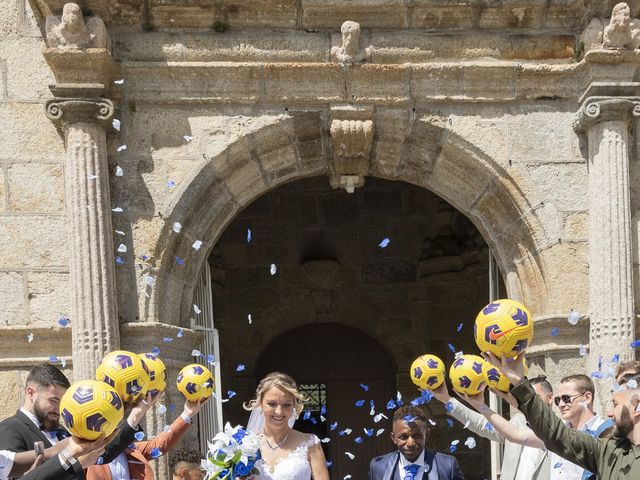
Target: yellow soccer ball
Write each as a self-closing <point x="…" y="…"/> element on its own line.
<point x="466" y="374"/>
<point x="504" y="328"/>
<point x="125" y="372"/>
<point x="494" y="379"/>
<point x="157" y="373"/>
<point x="195" y="382"/>
<point x="90" y="409"/>
<point x="427" y="372"/>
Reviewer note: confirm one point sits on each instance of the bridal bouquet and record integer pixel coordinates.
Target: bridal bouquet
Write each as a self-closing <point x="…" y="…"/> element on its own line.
<point x="233" y="454"/>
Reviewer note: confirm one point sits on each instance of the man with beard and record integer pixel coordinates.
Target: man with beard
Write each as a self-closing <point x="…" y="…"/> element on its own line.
<point x="38" y="421"/>
<point x="613" y="458"/>
<point x="412" y="461"/>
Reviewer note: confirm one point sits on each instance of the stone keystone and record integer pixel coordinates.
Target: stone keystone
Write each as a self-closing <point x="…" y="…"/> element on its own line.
<point x="352" y="141"/>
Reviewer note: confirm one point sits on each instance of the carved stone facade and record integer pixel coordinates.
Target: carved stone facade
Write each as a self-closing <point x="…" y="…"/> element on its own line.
<point x="166" y="120"/>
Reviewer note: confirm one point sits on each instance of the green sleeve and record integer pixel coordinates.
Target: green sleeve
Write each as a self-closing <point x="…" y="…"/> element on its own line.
<point x="577" y="447"/>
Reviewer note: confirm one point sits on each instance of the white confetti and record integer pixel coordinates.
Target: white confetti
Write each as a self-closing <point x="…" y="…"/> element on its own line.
<point x="574" y="317"/>
<point x="249" y="319"/>
<point x="122" y="248"/>
<point x="325" y="440"/>
<point x="346" y="477"/>
<point x="119" y="82"/>
<point x="347" y="431"/>
<point x="196" y="353"/>
<point x="196" y="309"/>
<point x="197" y="244"/>
<point x="116" y="124"/>
<point x="117" y="210"/>
<point x="384" y="243"/>
<point x="177" y="226"/>
<point x="121" y="148"/>
<point x="120" y="232"/>
<point x="187" y="138"/>
<point x="455" y="442"/>
<point x="379" y="417"/>
<point x="150" y="280"/>
<point x="350" y="455"/>
<point x="166" y="429"/>
<point x="583" y="350"/>
<point x="162" y="409"/>
<point x="379" y="432"/>
<point x="470" y="442"/>
<point x="466" y="425"/>
<point x="30" y="337"/>
<point x="273" y="269"/>
<point x="63" y="362"/>
<point x="432" y="422"/>
<point x="92" y="177"/>
<point x="632" y="384"/>
<point x="119" y="171"/>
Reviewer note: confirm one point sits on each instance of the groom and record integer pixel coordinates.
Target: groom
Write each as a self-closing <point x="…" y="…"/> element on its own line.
<point x="412" y="461"/>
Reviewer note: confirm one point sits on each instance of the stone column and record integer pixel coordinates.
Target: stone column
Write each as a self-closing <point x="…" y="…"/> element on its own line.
<point x="91" y="260"/>
<point x="606" y="122"/>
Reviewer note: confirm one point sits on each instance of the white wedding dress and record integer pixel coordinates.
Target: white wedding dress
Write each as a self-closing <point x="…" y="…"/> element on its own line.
<point x="294" y="466"/>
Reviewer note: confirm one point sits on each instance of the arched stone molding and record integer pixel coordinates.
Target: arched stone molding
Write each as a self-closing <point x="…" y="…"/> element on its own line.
<point x="502" y="202"/>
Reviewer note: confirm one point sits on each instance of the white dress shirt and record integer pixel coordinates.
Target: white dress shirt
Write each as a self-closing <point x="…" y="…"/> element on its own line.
<point x="119" y="467"/>
<point x="6" y="462"/>
<point x="404" y="462"/>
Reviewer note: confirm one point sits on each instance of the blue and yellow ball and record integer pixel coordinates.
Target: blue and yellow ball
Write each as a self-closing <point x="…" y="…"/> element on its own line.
<point x="157" y="373"/>
<point x="466" y="374"/>
<point x="125" y="372"/>
<point x="427" y="372"/>
<point x="504" y="328"/>
<point x="90" y="409"/>
<point x="195" y="382"/>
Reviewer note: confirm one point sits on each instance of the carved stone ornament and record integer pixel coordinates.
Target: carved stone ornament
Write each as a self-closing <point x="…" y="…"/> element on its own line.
<point x="603" y="109"/>
<point x="350" y="52"/>
<point x="352" y="139"/>
<point x="64" y="111"/>
<point x="622" y="32"/>
<point x="73" y="31"/>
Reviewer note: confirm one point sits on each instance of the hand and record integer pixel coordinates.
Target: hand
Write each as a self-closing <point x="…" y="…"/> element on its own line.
<point x="141" y="408"/>
<point x="506" y="396"/>
<point x="87" y="452"/>
<point x="513" y="369"/>
<point x="476" y="401"/>
<point x="191" y="409"/>
<point x="442" y="393"/>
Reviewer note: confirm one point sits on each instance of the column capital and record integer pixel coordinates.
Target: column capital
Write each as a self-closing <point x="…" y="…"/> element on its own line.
<point x="66" y="111"/>
<point x="599" y="109"/>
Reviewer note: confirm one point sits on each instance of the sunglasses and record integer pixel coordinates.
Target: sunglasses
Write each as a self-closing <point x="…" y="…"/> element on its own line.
<point x="567" y="399"/>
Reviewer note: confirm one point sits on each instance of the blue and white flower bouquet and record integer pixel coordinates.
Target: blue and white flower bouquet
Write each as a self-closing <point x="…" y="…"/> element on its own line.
<point x="233" y="454"/>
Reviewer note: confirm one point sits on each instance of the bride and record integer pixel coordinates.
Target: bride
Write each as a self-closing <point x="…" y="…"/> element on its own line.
<point x="287" y="454"/>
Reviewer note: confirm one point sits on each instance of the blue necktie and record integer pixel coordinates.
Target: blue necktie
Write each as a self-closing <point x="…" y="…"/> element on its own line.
<point x="411" y="471"/>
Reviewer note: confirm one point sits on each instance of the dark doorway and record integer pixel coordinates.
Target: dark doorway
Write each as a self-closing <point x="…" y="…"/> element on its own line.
<point x="331" y="361"/>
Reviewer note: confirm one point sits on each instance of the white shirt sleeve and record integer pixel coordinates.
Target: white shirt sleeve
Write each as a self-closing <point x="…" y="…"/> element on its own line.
<point x="6" y="463"/>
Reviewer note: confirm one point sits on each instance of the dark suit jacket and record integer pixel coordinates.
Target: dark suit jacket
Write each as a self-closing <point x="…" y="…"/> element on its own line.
<point x="18" y="434"/>
<point x="442" y="467"/>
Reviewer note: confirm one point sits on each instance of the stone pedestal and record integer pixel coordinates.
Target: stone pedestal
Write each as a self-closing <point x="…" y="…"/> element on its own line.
<point x="606" y="121"/>
<point x="91" y="260"/>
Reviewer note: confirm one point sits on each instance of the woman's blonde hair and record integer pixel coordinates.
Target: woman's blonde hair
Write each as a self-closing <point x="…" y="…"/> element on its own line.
<point x="282" y="381"/>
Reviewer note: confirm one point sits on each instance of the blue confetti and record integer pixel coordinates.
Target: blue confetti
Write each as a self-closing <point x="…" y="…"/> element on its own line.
<point x="358" y="440"/>
<point x="359" y="403"/>
<point x="342" y="433"/>
<point x="372" y="404"/>
<point x="64" y="321"/>
<point x="369" y="432"/>
<point x="314" y="421"/>
<point x="248" y="235"/>
<point x="139" y="436"/>
<point x="172" y="407"/>
<point x="155" y="351"/>
<point x="460" y="325"/>
<point x="597" y="375"/>
<point x="240" y="368"/>
<point x="144" y="258"/>
<point x="119" y="260"/>
<point x="171" y="184"/>
<point x="600" y="363"/>
<point x="364" y="387"/>
<point x="555" y="332"/>
<point x="231" y="394"/>
<point x="179" y="261"/>
<point x="211" y="359"/>
<point x="488" y="427"/>
<point x="101" y="460"/>
<point x="329" y="463"/>
<point x="453" y="448"/>
<point x="333" y="426"/>
<point x="409" y="418"/>
<point x="384" y="243"/>
<point x="615" y="358"/>
<point x="450" y="422"/>
<point x="391" y="404"/>
<point x="635" y="344"/>
<point x="53" y="358"/>
<point x="557" y="465"/>
<point x="306" y="415"/>
<point x="323" y="410"/>
<point x="451" y="347"/>
<point x="167" y="339"/>
<point x="425" y="397"/>
<point x="156" y="452"/>
<point x="180" y="333"/>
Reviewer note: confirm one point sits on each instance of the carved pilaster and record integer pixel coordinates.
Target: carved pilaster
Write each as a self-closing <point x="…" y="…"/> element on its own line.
<point x="605" y="120"/>
<point x="352" y="139"/>
<point x="91" y="260"/>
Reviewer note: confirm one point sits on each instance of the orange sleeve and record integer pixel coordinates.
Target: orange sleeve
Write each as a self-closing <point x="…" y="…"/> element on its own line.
<point x="164" y="441"/>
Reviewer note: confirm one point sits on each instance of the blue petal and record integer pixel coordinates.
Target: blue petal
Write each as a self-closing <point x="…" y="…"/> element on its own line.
<point x="306" y="415"/>
<point x="450" y="422"/>
<point x="391" y="404"/>
<point x="167" y="339"/>
<point x="365" y="387"/>
<point x="451" y="347"/>
<point x="179" y="261"/>
<point x="460" y="325"/>
<point x="240" y="367"/>
<point x="139" y="436"/>
<point x="358" y="440"/>
<point x="384" y="243"/>
<point x="555" y="331"/>
<point x="635" y="344"/>
<point x="359" y="403"/>
<point x="231" y="394"/>
<point x="155" y="351"/>
<point x="64" y="321"/>
<point x="155" y="453"/>
<point x="119" y="260"/>
<point x="333" y="426"/>
<point x="248" y="235"/>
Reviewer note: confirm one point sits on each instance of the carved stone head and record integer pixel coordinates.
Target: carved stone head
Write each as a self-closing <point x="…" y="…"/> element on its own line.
<point x="72" y="16"/>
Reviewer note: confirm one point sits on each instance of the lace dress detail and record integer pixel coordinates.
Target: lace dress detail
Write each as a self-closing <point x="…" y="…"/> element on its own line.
<point x="294" y="466"/>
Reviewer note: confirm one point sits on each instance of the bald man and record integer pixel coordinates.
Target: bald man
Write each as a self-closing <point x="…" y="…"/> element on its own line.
<point x="614" y="458"/>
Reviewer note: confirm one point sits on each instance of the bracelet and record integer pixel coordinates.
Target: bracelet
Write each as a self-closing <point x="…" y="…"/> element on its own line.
<point x="67" y="457"/>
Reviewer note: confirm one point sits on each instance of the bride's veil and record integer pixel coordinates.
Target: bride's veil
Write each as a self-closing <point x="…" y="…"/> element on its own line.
<point x="256" y="421"/>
